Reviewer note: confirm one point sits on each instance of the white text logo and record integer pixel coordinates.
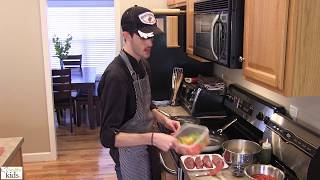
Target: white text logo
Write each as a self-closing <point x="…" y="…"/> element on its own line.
<point x="11" y="172"/>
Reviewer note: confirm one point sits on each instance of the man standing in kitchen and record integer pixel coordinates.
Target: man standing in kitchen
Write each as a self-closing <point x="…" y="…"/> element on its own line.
<point x="128" y="116"/>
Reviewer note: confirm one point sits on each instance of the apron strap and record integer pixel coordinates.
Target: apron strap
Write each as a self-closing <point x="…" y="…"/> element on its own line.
<point x="128" y="64"/>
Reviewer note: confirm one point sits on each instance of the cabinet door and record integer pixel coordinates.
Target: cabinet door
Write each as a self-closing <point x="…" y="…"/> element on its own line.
<point x="189" y="33"/>
<point x="172" y="32"/>
<point x="180" y="1"/>
<point x="170" y="2"/>
<point x="176" y="3"/>
<point x="265" y="32"/>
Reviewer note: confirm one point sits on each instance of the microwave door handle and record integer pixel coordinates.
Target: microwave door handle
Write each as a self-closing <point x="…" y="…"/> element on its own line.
<point x="214" y="22"/>
<point x="220" y="36"/>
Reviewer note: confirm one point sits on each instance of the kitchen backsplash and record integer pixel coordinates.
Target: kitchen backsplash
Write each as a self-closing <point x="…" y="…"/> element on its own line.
<point x="308" y="107"/>
<point x="162" y="62"/>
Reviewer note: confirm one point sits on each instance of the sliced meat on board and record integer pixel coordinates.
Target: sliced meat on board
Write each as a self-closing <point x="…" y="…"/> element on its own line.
<point x="207" y="161"/>
<point x="199" y="163"/>
<point x="189" y="163"/>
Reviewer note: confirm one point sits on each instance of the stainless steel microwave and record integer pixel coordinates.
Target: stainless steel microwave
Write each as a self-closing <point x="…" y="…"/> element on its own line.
<point x="218" y="31"/>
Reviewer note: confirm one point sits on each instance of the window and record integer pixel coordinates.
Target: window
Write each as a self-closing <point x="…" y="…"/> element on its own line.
<point x="92" y="26"/>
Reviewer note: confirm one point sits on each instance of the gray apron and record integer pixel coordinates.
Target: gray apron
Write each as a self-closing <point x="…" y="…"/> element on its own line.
<point x="135" y="161"/>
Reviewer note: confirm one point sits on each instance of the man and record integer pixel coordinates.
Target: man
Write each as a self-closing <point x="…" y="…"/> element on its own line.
<point x="128" y="115"/>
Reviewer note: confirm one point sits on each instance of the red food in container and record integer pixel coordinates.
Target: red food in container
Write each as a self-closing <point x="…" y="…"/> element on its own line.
<point x="263" y="177"/>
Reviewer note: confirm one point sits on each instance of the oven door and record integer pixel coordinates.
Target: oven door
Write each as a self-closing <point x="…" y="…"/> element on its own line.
<point x="170" y="166"/>
<point x="206" y="35"/>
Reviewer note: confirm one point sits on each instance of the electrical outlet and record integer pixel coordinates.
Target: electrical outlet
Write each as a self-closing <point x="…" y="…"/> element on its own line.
<point x="293" y="112"/>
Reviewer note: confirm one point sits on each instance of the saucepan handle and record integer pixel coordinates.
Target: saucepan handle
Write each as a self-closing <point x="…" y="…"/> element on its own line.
<point x="226" y="126"/>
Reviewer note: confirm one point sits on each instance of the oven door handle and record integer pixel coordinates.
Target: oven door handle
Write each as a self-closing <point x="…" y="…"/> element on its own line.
<point x="214" y="22"/>
<point x="166" y="168"/>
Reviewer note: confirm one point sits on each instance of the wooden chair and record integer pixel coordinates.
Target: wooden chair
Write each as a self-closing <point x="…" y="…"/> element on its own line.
<point x="61" y="86"/>
<point x="82" y="100"/>
<point x="73" y="61"/>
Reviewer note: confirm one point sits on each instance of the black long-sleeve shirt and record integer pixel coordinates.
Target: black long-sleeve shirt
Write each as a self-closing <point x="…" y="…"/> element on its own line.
<point x="117" y="96"/>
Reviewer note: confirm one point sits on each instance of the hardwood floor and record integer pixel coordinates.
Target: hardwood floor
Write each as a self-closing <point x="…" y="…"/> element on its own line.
<point x="80" y="156"/>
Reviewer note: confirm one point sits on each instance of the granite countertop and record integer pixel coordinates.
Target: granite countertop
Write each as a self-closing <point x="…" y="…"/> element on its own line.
<point x="225" y="174"/>
<point x="9" y="146"/>
<point x="174" y="110"/>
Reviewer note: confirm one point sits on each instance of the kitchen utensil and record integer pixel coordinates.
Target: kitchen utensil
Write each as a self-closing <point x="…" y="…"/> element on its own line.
<point x="217" y="138"/>
<point x="177" y="77"/>
<point x="262" y="169"/>
<point x="240" y="153"/>
<point x="219" y="131"/>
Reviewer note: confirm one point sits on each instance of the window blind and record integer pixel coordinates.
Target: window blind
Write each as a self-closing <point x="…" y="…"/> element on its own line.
<point x="92" y="28"/>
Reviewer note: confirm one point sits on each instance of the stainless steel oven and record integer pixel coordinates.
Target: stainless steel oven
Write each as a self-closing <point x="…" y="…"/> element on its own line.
<point x="218" y="31"/>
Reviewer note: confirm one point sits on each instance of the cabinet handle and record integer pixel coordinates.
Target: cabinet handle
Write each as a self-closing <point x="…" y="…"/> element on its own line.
<point x="241" y="59"/>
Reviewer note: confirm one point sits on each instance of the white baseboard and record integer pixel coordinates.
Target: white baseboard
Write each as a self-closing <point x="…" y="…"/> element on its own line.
<point x="36" y="157"/>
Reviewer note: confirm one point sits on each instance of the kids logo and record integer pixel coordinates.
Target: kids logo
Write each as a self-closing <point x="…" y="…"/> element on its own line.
<point x="11" y="173"/>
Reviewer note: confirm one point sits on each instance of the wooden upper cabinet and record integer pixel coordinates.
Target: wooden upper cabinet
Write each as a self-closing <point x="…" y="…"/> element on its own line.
<point x="281" y="46"/>
<point x="190" y="26"/>
<point x="265" y="35"/>
<point x="172" y="31"/>
<point x="176" y="3"/>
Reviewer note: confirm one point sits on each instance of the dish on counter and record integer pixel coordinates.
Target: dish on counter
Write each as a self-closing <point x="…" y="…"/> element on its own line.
<point x="201" y="162"/>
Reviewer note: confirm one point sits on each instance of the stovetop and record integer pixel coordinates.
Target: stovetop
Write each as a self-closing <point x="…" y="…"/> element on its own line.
<point x="252" y="112"/>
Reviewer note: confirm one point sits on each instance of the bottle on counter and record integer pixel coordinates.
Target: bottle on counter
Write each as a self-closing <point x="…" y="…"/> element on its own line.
<point x="266" y="153"/>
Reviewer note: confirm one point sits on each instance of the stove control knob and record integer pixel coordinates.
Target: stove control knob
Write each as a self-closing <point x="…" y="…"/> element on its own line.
<point x="260" y="116"/>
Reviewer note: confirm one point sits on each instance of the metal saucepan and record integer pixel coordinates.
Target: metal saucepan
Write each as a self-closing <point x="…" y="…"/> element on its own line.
<point x="240" y="153"/>
<point x="217" y="138"/>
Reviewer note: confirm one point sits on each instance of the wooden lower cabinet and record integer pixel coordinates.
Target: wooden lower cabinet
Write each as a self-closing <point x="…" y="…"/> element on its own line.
<point x="282" y="46"/>
<point x="169" y="162"/>
<point x="16" y="159"/>
<point x="189" y="26"/>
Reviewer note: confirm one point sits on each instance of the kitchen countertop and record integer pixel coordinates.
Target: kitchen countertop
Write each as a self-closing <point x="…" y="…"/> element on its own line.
<point x="10" y="145"/>
<point x="225" y="174"/>
<point x="174" y="110"/>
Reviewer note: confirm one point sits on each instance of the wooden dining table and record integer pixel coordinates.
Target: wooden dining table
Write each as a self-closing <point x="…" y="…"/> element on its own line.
<point x="84" y="80"/>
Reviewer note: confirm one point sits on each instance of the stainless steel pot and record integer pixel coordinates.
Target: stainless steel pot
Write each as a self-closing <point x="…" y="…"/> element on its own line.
<point x="263" y="169"/>
<point x="240" y="153"/>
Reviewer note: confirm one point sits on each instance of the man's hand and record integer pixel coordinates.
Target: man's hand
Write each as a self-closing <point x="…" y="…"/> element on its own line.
<point x="164" y="141"/>
<point x="167" y="122"/>
<point x="171" y="124"/>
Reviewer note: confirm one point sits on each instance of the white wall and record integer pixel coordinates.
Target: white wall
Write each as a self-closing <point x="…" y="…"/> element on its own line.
<point x="23" y="92"/>
<point x="122" y="5"/>
<point x="308" y="107"/>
